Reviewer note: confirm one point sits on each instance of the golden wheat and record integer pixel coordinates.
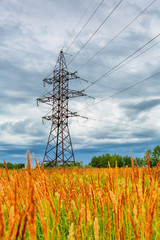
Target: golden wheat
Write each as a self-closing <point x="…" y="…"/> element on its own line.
<point x="80" y="203"/>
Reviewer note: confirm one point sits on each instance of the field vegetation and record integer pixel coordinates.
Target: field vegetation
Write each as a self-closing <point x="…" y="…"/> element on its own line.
<point x="123" y="161"/>
<point x="73" y="203"/>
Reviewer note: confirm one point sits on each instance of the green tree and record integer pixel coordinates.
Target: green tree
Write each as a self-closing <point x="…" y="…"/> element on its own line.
<point x="13" y="165"/>
<point x="76" y="164"/>
<point x="155" y="156"/>
<point x="127" y="161"/>
<point x="112" y="161"/>
<point x="1" y="165"/>
<point x="95" y="162"/>
<point x="104" y="159"/>
<point x="151" y="158"/>
<point x="140" y="161"/>
<point x="119" y="161"/>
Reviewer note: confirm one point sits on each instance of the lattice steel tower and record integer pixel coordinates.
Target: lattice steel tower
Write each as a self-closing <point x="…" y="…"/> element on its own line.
<point x="59" y="148"/>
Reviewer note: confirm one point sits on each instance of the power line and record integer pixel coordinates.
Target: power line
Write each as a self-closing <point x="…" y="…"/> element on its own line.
<point x="115" y="89"/>
<point x="112" y="38"/>
<point x="111" y="131"/>
<point x="117" y="133"/>
<point x="85" y="25"/>
<point x="123" y="66"/>
<point x="134" y="107"/>
<point x="117" y="34"/>
<point x="73" y="31"/>
<point x="49" y="74"/>
<point x="96" y="31"/>
<point x="112" y="122"/>
<point x="128" y="93"/>
<point x="123" y="90"/>
<point x="111" y="70"/>
<point x="129" y="106"/>
<point x="134" y="121"/>
<point x="134" y="58"/>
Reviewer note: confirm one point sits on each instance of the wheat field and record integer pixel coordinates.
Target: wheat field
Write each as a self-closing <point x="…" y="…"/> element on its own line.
<point x="119" y="203"/>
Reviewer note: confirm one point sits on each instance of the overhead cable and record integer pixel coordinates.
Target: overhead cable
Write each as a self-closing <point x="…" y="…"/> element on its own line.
<point x="73" y="31"/>
<point x="121" y="67"/>
<point x="112" y="122"/>
<point x="115" y="67"/>
<point x="95" y="31"/>
<point x="101" y="50"/>
<point x="126" y="131"/>
<point x="123" y="90"/>
<point x="85" y="25"/>
<point x="134" y="58"/>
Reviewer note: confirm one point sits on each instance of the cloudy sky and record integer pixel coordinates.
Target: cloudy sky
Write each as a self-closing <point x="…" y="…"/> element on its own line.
<point x="32" y="33"/>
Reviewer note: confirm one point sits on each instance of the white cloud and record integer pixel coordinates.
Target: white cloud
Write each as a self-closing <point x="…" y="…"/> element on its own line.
<point x="32" y="35"/>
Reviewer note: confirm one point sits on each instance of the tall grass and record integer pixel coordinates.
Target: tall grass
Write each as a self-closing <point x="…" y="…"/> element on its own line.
<point x="80" y="203"/>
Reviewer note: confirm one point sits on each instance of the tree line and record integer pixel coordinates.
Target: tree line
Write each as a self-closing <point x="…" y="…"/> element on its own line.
<point x="104" y="161"/>
<point x="13" y="165"/>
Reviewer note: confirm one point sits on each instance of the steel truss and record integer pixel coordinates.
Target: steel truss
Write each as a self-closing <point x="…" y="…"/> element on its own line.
<point x="59" y="149"/>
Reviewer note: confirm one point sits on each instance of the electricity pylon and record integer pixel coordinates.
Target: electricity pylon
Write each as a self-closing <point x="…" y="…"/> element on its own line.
<point x="59" y="148"/>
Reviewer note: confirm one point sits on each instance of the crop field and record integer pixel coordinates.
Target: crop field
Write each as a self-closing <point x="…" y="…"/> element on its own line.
<point x="119" y="203"/>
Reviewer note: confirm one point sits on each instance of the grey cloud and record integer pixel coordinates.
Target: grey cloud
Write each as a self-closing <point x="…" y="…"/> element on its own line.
<point x="23" y="127"/>
<point x="148" y="104"/>
<point x="152" y="134"/>
<point x="134" y="110"/>
<point x="31" y="36"/>
<point x="154" y="12"/>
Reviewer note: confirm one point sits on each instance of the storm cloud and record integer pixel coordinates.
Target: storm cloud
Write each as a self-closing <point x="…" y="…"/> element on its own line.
<point x="33" y="33"/>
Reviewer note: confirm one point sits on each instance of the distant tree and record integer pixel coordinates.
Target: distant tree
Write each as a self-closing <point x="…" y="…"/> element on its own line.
<point x="112" y="161"/>
<point x="149" y="153"/>
<point x="66" y="165"/>
<point x="13" y="165"/>
<point x="1" y="165"/>
<point x="155" y="155"/>
<point x="95" y="162"/>
<point x="127" y="161"/>
<point x="116" y="158"/>
<point x="21" y="165"/>
<point x="89" y="165"/>
<point x="140" y="161"/>
<point x="104" y="159"/>
<point x="119" y="161"/>
<point x="76" y="164"/>
<point x="9" y="165"/>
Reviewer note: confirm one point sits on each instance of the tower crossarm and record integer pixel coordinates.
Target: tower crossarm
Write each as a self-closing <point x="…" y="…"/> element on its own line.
<point x="74" y="93"/>
<point x="56" y="76"/>
<point x="68" y="94"/>
<point x="72" y="114"/>
<point x="45" y="99"/>
<point x="47" y="117"/>
<point x="55" y="117"/>
<point x="72" y="76"/>
<point x="48" y="80"/>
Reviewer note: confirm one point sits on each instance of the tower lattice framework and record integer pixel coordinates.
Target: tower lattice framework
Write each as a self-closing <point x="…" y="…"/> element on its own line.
<point x="59" y="148"/>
